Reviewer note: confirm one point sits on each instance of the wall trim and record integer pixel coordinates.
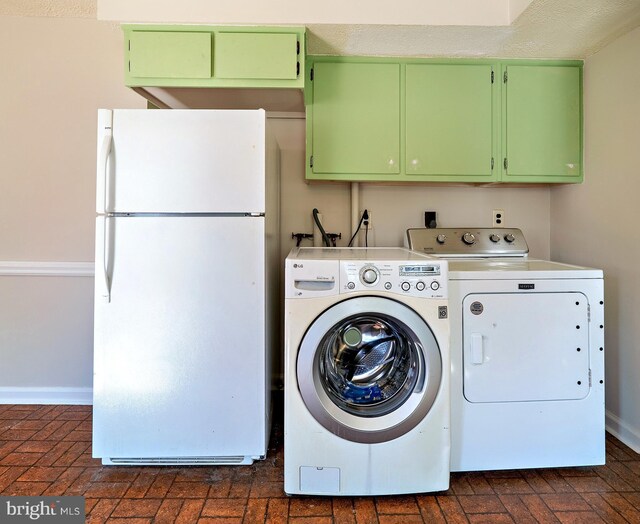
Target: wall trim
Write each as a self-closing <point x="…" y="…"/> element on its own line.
<point x="623" y="431"/>
<point x="53" y="395"/>
<point x="46" y="269"/>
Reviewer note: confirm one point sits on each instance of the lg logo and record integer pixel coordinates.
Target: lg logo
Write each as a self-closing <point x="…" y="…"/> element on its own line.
<point x="297" y="266"/>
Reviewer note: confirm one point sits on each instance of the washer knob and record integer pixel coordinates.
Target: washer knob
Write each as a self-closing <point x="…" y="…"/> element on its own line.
<point x="494" y="238"/>
<point x="435" y="285"/>
<point x="369" y="276"/>
<point x="405" y="286"/>
<point x="420" y="286"/>
<point x="469" y="238"/>
<point x="441" y="238"/>
<point x="509" y="238"/>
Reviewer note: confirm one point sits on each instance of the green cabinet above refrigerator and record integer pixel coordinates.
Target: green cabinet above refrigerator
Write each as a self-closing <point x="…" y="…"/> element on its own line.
<point x="224" y="67"/>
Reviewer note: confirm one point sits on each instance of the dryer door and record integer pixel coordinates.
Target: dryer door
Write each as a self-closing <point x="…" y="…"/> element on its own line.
<point x="369" y="369"/>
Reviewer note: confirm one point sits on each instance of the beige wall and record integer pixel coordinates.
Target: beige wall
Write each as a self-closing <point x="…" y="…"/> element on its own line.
<point x="56" y="72"/>
<point x="596" y="223"/>
<point x="409" y="12"/>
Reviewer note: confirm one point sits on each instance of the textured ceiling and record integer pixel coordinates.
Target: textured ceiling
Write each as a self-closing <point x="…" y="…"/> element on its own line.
<point x="546" y="29"/>
<point x="53" y="8"/>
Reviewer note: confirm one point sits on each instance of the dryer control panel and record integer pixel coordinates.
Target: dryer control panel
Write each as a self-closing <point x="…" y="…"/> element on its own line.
<point x="426" y="279"/>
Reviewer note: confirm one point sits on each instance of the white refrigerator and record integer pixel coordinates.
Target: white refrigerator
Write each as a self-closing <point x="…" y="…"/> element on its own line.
<point x="186" y="286"/>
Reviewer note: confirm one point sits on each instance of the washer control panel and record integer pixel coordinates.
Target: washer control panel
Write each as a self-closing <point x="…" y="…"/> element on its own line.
<point x="426" y="279"/>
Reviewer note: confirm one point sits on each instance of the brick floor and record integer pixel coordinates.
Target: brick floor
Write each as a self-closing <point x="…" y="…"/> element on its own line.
<point x="46" y="450"/>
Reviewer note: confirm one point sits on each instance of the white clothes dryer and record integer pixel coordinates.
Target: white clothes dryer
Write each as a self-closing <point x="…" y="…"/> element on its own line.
<point x="527" y="353"/>
<point x="366" y="372"/>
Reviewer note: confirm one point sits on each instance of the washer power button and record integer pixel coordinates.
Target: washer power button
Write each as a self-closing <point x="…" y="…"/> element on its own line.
<point x="435" y="285"/>
<point x="405" y="286"/>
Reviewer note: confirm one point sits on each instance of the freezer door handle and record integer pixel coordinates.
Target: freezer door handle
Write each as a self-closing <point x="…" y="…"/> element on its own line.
<point x="105" y="131"/>
<point x="103" y="239"/>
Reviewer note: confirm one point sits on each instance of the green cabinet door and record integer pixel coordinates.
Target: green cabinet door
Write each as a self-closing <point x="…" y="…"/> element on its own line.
<point x="449" y="120"/>
<point x="165" y="54"/>
<point x="355" y="125"/>
<point x="542" y="123"/>
<point x="256" y="56"/>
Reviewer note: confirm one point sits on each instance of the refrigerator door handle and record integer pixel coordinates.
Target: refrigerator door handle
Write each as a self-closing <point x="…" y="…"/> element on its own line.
<point x="103" y="239"/>
<point x="105" y="130"/>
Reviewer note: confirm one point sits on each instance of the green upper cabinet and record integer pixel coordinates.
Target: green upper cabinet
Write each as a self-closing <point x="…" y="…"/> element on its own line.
<point x="214" y="56"/>
<point x="251" y="56"/>
<point x="354" y="131"/>
<point x="449" y="115"/>
<point x="169" y="55"/>
<point x="444" y="120"/>
<point x="542" y="123"/>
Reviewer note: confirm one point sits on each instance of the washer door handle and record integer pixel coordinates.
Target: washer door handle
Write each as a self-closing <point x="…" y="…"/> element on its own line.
<point x="477" y="349"/>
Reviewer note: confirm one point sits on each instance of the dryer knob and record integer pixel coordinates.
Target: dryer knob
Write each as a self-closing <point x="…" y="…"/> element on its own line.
<point x="405" y="286"/>
<point x="509" y="238"/>
<point x="420" y="286"/>
<point x="369" y="276"/>
<point x="469" y="238"/>
<point x="494" y="238"/>
<point x="441" y="238"/>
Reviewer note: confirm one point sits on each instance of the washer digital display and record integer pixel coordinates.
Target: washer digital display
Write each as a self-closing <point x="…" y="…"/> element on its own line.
<point x="419" y="271"/>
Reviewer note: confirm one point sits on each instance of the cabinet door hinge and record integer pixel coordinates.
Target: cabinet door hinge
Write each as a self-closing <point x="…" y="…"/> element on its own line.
<point x="492" y="80"/>
<point x="589" y="378"/>
<point x="129" y="66"/>
<point x="505" y="163"/>
<point x="311" y="75"/>
<point x="311" y="161"/>
<point x="588" y="312"/>
<point x="297" y="47"/>
<point x="505" y="77"/>
<point x="297" y="68"/>
<point x="492" y="161"/>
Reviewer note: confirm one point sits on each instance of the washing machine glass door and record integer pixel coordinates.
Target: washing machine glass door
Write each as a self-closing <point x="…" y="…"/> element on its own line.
<point x="369" y="369"/>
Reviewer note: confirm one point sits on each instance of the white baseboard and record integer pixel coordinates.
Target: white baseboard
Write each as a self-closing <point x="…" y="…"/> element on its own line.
<point x="623" y="431"/>
<point x="46" y="269"/>
<point x="76" y="396"/>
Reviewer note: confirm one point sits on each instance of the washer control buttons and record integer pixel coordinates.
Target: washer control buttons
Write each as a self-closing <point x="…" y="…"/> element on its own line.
<point x="509" y="238"/>
<point x="369" y="275"/>
<point x="387" y="285"/>
<point x="469" y="238"/>
<point x="420" y="286"/>
<point x="435" y="285"/>
<point x="351" y="285"/>
<point x="405" y="286"/>
<point x="494" y="238"/>
<point x="441" y="238"/>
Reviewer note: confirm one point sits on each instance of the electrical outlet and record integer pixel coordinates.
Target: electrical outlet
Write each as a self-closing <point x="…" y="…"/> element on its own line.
<point x="369" y="219"/>
<point x="498" y="218"/>
<point x="366" y="236"/>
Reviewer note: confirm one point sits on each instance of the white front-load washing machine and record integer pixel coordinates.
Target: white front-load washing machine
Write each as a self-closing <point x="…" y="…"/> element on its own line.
<point x="527" y="352"/>
<point x="366" y="372"/>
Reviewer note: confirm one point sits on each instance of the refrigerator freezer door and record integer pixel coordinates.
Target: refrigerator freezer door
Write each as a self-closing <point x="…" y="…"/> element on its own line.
<point x="180" y="161"/>
<point x="180" y="346"/>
